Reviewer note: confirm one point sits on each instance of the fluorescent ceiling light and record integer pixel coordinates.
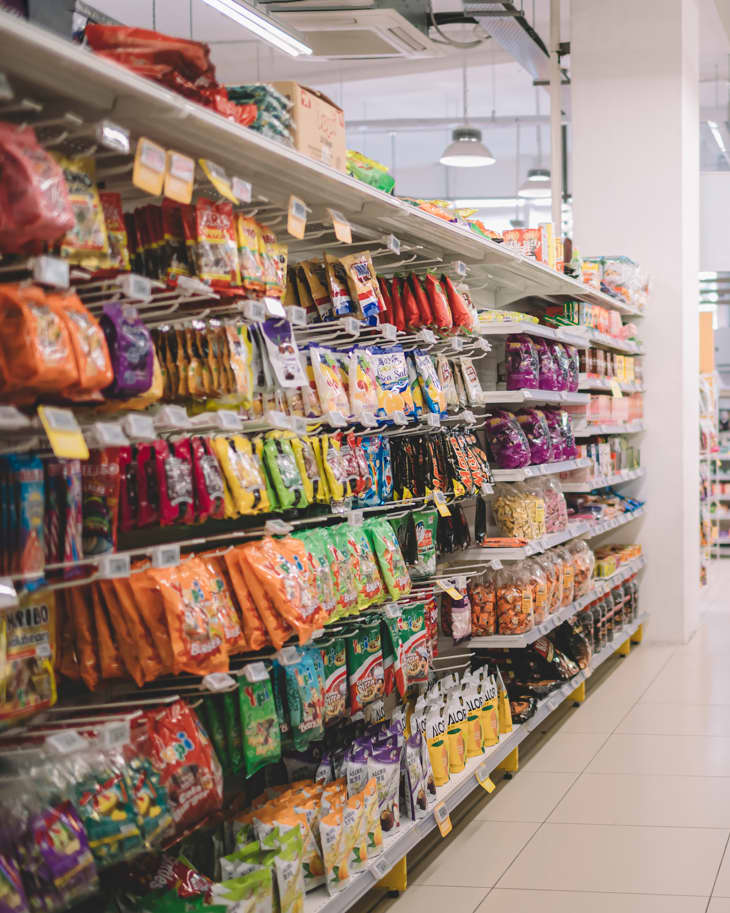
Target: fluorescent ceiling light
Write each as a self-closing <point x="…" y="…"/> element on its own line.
<point x="260" y="24"/>
<point x="537" y="184"/>
<point x="717" y="136"/>
<point x="497" y="203"/>
<point x="466" y="150"/>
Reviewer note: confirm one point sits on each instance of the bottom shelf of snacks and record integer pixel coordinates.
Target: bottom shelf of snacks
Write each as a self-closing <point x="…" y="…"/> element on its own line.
<point x="474" y="776"/>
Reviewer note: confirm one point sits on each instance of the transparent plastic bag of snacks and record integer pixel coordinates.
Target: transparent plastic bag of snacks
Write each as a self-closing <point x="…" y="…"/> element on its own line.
<point x="483" y="598"/>
<point x="566" y="558"/>
<point x="514" y="602"/>
<point x="536" y="506"/>
<point x="556" y="510"/>
<point x="584" y="562"/>
<point x="511" y="512"/>
<point x="539" y="587"/>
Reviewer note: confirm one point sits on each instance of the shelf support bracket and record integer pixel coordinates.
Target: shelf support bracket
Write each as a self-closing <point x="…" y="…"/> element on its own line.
<point x="512" y="762"/>
<point x="638" y="635"/>
<point x="625" y="648"/>
<point x="579" y="695"/>
<point x="396" y="879"/>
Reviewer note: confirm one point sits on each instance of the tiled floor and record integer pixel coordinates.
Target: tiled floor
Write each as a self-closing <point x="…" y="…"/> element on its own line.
<point x="624" y="804"/>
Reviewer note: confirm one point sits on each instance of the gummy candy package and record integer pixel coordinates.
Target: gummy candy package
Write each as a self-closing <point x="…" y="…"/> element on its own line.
<point x="392" y="566"/>
<point x="522" y="365"/>
<point x="507" y="442"/>
<point x="533" y="423"/>
<point x="440" y="309"/>
<point x="130" y="348"/>
<point x="433" y="393"/>
<point x="330" y="384"/>
<point x="395" y="390"/>
<point x="549" y="376"/>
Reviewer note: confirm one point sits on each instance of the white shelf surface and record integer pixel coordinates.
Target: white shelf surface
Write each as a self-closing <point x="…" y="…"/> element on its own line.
<point x="510" y="327"/>
<point x="601" y="586"/>
<point x="610" y="428"/>
<point x="94" y="87"/>
<point x="543" y="469"/>
<point x="411" y="833"/>
<point x="603" y="384"/>
<point x="625" y="475"/>
<point x="578" y="528"/>
<point x="510" y="397"/>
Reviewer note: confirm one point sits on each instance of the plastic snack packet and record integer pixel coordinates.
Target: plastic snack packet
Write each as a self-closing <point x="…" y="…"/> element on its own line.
<point x="88" y="344"/>
<point x="342" y="303"/>
<point x="365" y="665"/>
<point x="86" y="243"/>
<point x="363" y="285"/>
<point x="259" y="721"/>
<point x="283" y="353"/>
<point x="334" y="851"/>
<point x="330" y="385"/>
<point x="362" y="382"/>
<point x="390" y="558"/>
<point x="392" y="375"/>
<point x="426" y="317"/>
<point x="442" y="316"/>
<point x="433" y="393"/>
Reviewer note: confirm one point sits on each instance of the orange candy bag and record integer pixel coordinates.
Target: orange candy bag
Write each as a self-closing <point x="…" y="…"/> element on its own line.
<point x="253" y="561"/>
<point x="88" y="343"/>
<point x="128" y="647"/>
<point x="111" y="664"/>
<point x="253" y="627"/>
<point x="193" y="622"/>
<point x="140" y="595"/>
<point x="232" y="633"/>
<point x="84" y="635"/>
<point x="35" y="344"/>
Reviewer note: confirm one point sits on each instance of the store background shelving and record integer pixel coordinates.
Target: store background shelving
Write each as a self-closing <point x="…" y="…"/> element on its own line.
<point x="94" y="88"/>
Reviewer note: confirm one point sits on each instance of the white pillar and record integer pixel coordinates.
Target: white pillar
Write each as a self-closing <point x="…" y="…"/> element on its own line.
<point x="635" y="187"/>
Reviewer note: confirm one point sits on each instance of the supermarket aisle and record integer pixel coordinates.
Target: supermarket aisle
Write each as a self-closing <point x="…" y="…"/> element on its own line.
<point x="625" y="804"/>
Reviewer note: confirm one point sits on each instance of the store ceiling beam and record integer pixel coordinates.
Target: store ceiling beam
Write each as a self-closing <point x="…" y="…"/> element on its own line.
<point x="397" y="125"/>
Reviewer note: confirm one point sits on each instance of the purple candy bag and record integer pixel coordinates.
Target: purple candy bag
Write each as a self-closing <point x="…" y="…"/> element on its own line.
<point x="549" y="377"/>
<point x="507" y="441"/>
<point x="130" y="348"/>
<point x="562" y="364"/>
<point x="570" y="451"/>
<point x="554" y="422"/>
<point x="573" y="368"/>
<point x="535" y="426"/>
<point x="522" y="366"/>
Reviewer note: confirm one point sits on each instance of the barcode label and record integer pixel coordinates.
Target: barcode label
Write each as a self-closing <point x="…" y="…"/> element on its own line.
<point x="399" y="417"/>
<point x="390" y="331"/>
<point x="255" y="672"/>
<point x="392" y="243"/>
<point x="110" y="434"/>
<point x="61" y="419"/>
<point x="254" y="311"/>
<point x="181" y="166"/>
<point x="114" y="566"/>
<point x="67" y="741"/>
<point x="116" y="734"/>
<point x="350" y="325"/>
<point x="296" y="316"/>
<point x="139" y="427"/>
<point x="228" y="420"/>
<point x="381" y="867"/>
<point x="166" y="555"/>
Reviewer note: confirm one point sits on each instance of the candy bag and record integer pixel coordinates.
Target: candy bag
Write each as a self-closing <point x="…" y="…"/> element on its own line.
<point x="362" y="382"/>
<point x="399" y="318"/>
<point x="86" y="243"/>
<point x="330" y="384"/>
<point x="549" y="378"/>
<point x="259" y="722"/>
<point x="442" y="316"/>
<point x="430" y="384"/>
<point x="426" y="318"/>
<point x="390" y="559"/>
<point x="337" y="283"/>
<point x="130" y="348"/>
<point x="363" y="285"/>
<point x="305" y="686"/>
<point x="100" y="483"/>
<point x="522" y="364"/>
<point x="88" y="344"/>
<point x="365" y="671"/>
<point x="535" y="427"/>
<point x="507" y="442"/>
<point x="392" y="375"/>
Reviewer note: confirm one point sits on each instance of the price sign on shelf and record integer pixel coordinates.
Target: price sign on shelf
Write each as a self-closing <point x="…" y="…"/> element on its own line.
<point x="242" y="190"/>
<point x="343" y="229"/>
<point x="179" y="177"/>
<point x="443" y="820"/>
<point x="296" y="315"/>
<point x="296" y="222"/>
<point x="392" y="243"/>
<point x="114" y="566"/>
<point x="616" y="390"/>
<point x="166" y="555"/>
<point x="64" y="433"/>
<point x="139" y="288"/>
<point x="381" y="867"/>
<point x="449" y="590"/>
<point x="51" y="271"/>
<point x="150" y="161"/>
<point x="441" y="505"/>
<point x="254" y="311"/>
<point x="483" y="775"/>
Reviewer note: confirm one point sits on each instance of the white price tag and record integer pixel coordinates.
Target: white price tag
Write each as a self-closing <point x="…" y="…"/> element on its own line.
<point x="368" y="419"/>
<point x="277" y="527"/>
<point x="288" y="655"/>
<point x="51" y="271"/>
<point x="486" y="489"/>
<point x="229" y="420"/>
<point x="242" y="190"/>
<point x="116" y="734"/>
<point x="166" y="555"/>
<point x="496" y="564"/>
<point x="137" y="287"/>
<point x="254" y="310"/>
<point x="468" y="416"/>
<point x="432" y="420"/>
<point x="296" y="316"/>
<point x="43" y="650"/>
<point x="172" y="417"/>
<point x="392" y="243"/>
<point x="8" y="595"/>
<point x="457" y="343"/>
<point x="350" y="325"/>
<point x="12" y="419"/>
<point x="299" y="424"/>
<point x="390" y="331"/>
<point x="355" y="517"/>
<point x="218" y="681"/>
<point x="66" y="741"/>
<point x="459" y="267"/>
<point x="392" y="610"/>
<point x="274" y="307"/>
<point x="114" y="566"/>
<point x="110" y="434"/>
<point x="193" y="284"/>
<point x="336" y="419"/>
<point x="381" y="867"/>
<point x="399" y="418"/>
<point x="112" y="136"/>
<point x="483" y="344"/>
<point x="427" y="337"/>
<point x="277" y="420"/>
<point x="255" y="672"/>
<point x="139" y="427"/>
<point x="61" y="419"/>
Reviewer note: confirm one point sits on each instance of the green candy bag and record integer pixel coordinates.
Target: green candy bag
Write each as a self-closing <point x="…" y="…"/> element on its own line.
<point x="393" y="568"/>
<point x="250" y="893"/>
<point x="234" y="739"/>
<point x="316" y="545"/>
<point x="305" y="697"/>
<point x="281" y="464"/>
<point x="259" y="720"/>
<point x="214" y="726"/>
<point x="426" y="522"/>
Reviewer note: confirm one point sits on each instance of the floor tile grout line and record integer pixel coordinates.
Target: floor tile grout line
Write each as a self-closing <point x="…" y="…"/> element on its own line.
<point x="717" y="874"/>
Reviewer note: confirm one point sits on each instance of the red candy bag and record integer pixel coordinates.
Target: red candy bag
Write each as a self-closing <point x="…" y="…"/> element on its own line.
<point x="207" y="481"/>
<point x="439" y="305"/>
<point x="399" y="318"/>
<point x="459" y="311"/>
<point x="386" y="316"/>
<point x="187" y="764"/>
<point x="424" y="309"/>
<point x="148" y="500"/>
<point x="410" y="306"/>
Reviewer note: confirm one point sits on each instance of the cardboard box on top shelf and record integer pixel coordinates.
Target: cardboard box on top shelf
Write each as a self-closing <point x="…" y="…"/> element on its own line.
<point x="319" y="125"/>
<point x="546" y="252"/>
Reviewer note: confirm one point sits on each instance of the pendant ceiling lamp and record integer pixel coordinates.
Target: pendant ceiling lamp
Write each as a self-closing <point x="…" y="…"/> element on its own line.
<point x="466" y="149"/>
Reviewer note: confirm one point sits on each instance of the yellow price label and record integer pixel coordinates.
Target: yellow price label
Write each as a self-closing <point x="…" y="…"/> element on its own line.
<point x="616" y="390"/>
<point x="296" y="222"/>
<point x="179" y="176"/>
<point x="343" y="229"/>
<point x="150" y="161"/>
<point x="64" y="434"/>
<point x="450" y="590"/>
<point x="441" y="506"/>
<point x="443" y="819"/>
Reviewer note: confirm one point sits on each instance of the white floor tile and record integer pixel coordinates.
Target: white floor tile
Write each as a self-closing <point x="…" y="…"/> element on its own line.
<point x="722" y="885"/>
<point x="564" y="752"/>
<point x="433" y="899"/>
<point x="500" y="900"/>
<point x="646" y="800"/>
<point x="697" y="679"/>
<point x="477" y="855"/>
<point x="698" y="756"/>
<point x="530" y="796"/>
<point x="643" y="860"/>
<point x="677" y="719"/>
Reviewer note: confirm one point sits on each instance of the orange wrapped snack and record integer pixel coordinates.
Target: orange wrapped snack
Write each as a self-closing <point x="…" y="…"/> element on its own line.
<point x="88" y="343"/>
<point x="121" y="602"/>
<point x="84" y="636"/>
<point x="140" y="596"/>
<point x="128" y="647"/>
<point x="111" y="664"/>
<point x="37" y="354"/>
<point x="252" y="559"/>
<point x="253" y="626"/>
<point x="233" y="635"/>
<point x="67" y="662"/>
<point x="193" y="623"/>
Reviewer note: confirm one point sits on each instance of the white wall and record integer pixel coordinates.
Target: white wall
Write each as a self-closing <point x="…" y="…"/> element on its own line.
<point x="715" y="221"/>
